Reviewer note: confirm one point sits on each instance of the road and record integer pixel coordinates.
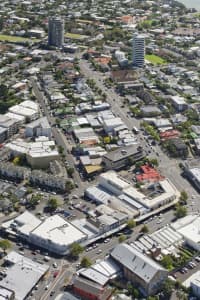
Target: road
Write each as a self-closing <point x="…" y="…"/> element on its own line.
<point x="168" y="167"/>
<point x="57" y="133"/>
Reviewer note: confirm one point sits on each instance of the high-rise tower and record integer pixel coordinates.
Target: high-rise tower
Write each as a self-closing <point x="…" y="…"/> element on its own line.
<point x="56" y="32"/>
<point x="138" y="50"/>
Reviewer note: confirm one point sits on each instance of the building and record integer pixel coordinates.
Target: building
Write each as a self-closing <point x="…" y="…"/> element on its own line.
<point x="110" y="123"/>
<point x="3" y="134"/>
<point x="90" y="290"/>
<point x="193" y="175"/>
<point x="138" y="50"/>
<point x="56" y="235"/>
<point x="6" y="294"/>
<point x="47" y="181"/>
<point x="10" y="124"/>
<point x="9" y="171"/>
<point x="38" y="127"/>
<point x="66" y="296"/>
<point x="86" y="136"/>
<point x="178" y="148"/>
<point x="101" y="272"/>
<point x="179" y="103"/>
<point x="22" y="274"/>
<point x="53" y="234"/>
<point x="195" y="285"/>
<point x="188" y="227"/>
<point x="122" y="157"/>
<point x="165" y="193"/>
<point x="121" y="58"/>
<point x="38" y="154"/>
<point x="150" y="111"/>
<point x="28" y="109"/>
<point x="56" y="32"/>
<point x="139" y="269"/>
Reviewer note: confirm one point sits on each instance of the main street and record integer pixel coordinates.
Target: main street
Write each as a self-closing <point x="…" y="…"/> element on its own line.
<point x="169" y="167"/>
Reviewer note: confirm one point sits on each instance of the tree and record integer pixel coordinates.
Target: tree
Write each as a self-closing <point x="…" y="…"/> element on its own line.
<point x="168" y="287"/>
<point x="154" y="162"/>
<point x="167" y="262"/>
<point x="53" y="203"/>
<point x="131" y="224"/>
<point x="5" y="244"/>
<point x="183" y="197"/>
<point x="35" y="199"/>
<point x="85" y="262"/>
<point x="122" y="238"/>
<point x="70" y="171"/>
<point x="75" y="250"/>
<point x="145" y="229"/>
<point x="180" y="212"/>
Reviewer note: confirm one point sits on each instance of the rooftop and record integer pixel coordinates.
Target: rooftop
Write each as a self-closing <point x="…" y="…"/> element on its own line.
<point x="22" y="274"/>
<point x="122" y="153"/>
<point x="57" y="231"/>
<point x="138" y="263"/>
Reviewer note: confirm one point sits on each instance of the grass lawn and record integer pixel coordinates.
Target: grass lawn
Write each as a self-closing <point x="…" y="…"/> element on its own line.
<point x="154" y="59"/>
<point x="16" y="39"/>
<point x="75" y="36"/>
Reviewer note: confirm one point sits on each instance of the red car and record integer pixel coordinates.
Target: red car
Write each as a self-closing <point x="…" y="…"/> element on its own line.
<point x="55" y="274"/>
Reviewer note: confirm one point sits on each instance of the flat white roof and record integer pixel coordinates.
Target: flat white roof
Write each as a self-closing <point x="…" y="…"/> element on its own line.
<point x="178" y="99"/>
<point x="21" y="110"/>
<point x="114" y="179"/>
<point x="40" y="148"/>
<point x="24" y="223"/>
<point x="191" y="231"/>
<point x="30" y="104"/>
<point x="58" y="231"/>
<point x="22" y="275"/>
<point x="193" y="278"/>
<point x="15" y="116"/>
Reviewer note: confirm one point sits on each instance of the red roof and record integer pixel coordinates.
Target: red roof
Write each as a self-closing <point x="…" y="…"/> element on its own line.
<point x="149" y="173"/>
<point x="169" y="134"/>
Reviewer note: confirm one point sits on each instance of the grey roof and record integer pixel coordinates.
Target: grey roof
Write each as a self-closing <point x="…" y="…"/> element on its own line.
<point x="3" y="130"/>
<point x="22" y="274"/>
<point x="87" y="285"/>
<point x="121" y="153"/>
<point x="66" y="296"/>
<point x="42" y="122"/>
<point x="94" y="276"/>
<point x="138" y="263"/>
<point x="150" y="109"/>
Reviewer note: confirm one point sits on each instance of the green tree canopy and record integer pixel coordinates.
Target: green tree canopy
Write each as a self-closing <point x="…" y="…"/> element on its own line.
<point x="167" y="262"/>
<point x="122" y="238"/>
<point x="53" y="203"/>
<point x="145" y="229"/>
<point x="131" y="223"/>
<point x="181" y="211"/>
<point x="5" y="244"/>
<point x="85" y="262"/>
<point x="183" y="197"/>
<point x="75" y="250"/>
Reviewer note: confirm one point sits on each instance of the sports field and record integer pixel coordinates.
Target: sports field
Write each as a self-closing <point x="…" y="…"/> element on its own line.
<point x="154" y="59"/>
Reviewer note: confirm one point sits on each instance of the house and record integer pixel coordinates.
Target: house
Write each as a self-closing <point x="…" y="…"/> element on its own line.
<point x="122" y="157"/>
<point x="150" y="111"/>
<point x="178" y="148"/>
<point x="179" y="103"/>
<point x="139" y="269"/>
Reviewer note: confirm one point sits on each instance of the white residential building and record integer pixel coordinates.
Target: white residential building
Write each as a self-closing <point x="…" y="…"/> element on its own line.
<point x="138" y="50"/>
